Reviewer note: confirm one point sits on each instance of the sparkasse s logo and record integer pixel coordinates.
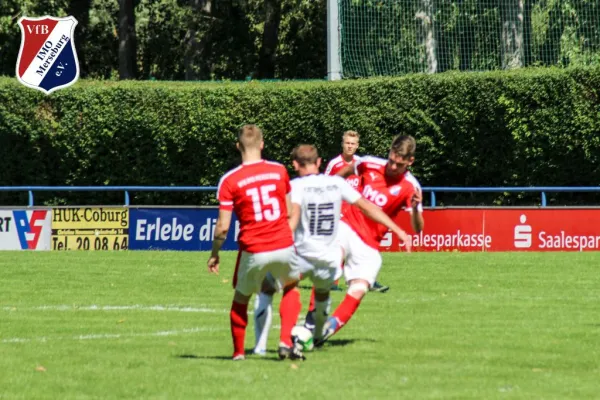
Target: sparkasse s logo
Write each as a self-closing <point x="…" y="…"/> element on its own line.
<point x="47" y="58"/>
<point x="523" y="235"/>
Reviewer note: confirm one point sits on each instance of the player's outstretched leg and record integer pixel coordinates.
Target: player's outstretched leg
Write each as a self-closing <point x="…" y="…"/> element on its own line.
<point x="289" y="309"/>
<point x="356" y="291"/>
<point x="238" y="317"/>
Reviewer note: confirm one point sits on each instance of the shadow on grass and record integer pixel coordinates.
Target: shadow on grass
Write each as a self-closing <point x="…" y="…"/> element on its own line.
<point x="345" y="342"/>
<point x="272" y="354"/>
<point x="250" y="356"/>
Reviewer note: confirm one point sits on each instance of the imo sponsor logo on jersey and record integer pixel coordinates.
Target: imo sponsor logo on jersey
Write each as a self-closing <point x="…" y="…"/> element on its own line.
<point x="353" y="182"/>
<point x="47" y="58"/>
<point x="29" y="227"/>
<point x="374" y="196"/>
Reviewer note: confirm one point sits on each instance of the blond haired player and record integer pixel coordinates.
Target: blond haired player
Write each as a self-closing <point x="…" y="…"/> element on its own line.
<point x="350" y="143"/>
<point x="258" y="192"/>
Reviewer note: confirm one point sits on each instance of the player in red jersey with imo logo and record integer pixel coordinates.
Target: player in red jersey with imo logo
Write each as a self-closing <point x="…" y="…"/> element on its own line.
<point x="258" y="192"/>
<point x="390" y="185"/>
<point x="350" y="143"/>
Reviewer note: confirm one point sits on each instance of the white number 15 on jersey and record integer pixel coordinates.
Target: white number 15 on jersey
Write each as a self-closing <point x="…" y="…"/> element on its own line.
<point x="262" y="199"/>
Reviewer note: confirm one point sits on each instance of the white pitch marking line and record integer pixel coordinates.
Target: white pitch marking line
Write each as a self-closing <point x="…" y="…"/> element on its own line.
<point x="112" y="335"/>
<point x="137" y="307"/>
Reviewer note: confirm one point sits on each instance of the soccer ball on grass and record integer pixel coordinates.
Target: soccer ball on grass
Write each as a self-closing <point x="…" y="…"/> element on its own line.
<point x="304" y="336"/>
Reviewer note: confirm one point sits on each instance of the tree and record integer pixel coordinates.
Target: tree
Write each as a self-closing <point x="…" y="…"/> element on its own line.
<point x="127" y="40"/>
<point x="425" y="14"/>
<point x="445" y="36"/>
<point x="270" y="40"/>
<point x="80" y="9"/>
<point x="194" y="47"/>
<point x="10" y="36"/>
<point x="527" y="33"/>
<point x="550" y="48"/>
<point x="512" y="33"/>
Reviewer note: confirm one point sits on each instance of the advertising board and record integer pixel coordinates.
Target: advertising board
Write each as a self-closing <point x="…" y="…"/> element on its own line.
<point x="90" y="228"/>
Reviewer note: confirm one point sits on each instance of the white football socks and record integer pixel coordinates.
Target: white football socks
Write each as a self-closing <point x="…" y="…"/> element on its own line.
<point x="263" y="315"/>
<point x="321" y="314"/>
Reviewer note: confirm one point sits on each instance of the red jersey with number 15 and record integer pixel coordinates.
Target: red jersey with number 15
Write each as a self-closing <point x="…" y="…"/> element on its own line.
<point x="256" y="192"/>
<point x="391" y="195"/>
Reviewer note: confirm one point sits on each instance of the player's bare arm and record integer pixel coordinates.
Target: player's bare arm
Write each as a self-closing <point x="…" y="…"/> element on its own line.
<point x="416" y="216"/>
<point x="346" y="171"/>
<point x="376" y="214"/>
<point x="221" y="230"/>
<point x="294" y="216"/>
<point x="288" y="204"/>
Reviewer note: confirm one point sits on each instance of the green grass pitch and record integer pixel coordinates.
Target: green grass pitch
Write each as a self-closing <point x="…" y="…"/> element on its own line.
<point x="155" y="325"/>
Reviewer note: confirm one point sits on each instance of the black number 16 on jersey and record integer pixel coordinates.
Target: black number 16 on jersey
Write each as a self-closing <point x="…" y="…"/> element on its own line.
<point x="321" y="219"/>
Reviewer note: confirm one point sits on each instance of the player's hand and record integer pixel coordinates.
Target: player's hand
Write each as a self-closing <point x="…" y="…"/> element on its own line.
<point x="404" y="238"/>
<point x="213" y="265"/>
<point x="417" y="198"/>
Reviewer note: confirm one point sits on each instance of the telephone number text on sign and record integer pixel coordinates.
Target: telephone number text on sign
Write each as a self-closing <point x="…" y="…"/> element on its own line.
<point x="90" y="228"/>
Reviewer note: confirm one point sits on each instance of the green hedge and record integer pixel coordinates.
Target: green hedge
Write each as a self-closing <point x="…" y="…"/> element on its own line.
<point x="525" y="128"/>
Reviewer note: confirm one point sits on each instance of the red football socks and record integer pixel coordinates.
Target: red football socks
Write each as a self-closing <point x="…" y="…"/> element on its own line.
<point x="239" y="320"/>
<point x="289" y="309"/>
<point x="311" y="304"/>
<point x="346" y="310"/>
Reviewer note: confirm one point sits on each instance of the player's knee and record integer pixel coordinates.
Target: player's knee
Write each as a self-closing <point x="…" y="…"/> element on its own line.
<point x="358" y="289"/>
<point x="240" y="297"/>
<point x="289" y="282"/>
<point x="268" y="288"/>
<point x="290" y="286"/>
<point x="269" y="285"/>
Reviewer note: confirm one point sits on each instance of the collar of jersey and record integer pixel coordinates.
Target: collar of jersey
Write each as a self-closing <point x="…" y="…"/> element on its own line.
<point x="395" y="180"/>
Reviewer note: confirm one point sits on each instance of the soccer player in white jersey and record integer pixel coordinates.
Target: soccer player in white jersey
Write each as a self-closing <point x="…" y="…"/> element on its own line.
<point x="315" y="216"/>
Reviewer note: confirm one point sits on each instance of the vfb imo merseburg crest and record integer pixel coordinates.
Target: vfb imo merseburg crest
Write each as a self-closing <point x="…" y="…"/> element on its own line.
<point x="47" y="57"/>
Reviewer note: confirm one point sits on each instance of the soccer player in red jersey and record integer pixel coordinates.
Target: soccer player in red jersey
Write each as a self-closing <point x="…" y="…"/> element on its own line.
<point x="258" y="192"/>
<point x="350" y="143"/>
<point x="390" y="185"/>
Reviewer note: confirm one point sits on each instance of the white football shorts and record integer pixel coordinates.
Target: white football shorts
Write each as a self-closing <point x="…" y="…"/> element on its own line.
<point x="322" y="270"/>
<point x="362" y="261"/>
<point x="253" y="268"/>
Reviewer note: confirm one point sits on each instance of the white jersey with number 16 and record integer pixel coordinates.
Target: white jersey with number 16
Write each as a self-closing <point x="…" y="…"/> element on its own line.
<point x="320" y="200"/>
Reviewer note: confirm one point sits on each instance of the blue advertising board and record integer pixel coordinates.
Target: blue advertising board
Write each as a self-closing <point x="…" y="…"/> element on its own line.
<point x="177" y="229"/>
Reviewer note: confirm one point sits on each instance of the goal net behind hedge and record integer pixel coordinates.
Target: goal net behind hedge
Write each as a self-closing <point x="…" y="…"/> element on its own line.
<point x="395" y="37"/>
